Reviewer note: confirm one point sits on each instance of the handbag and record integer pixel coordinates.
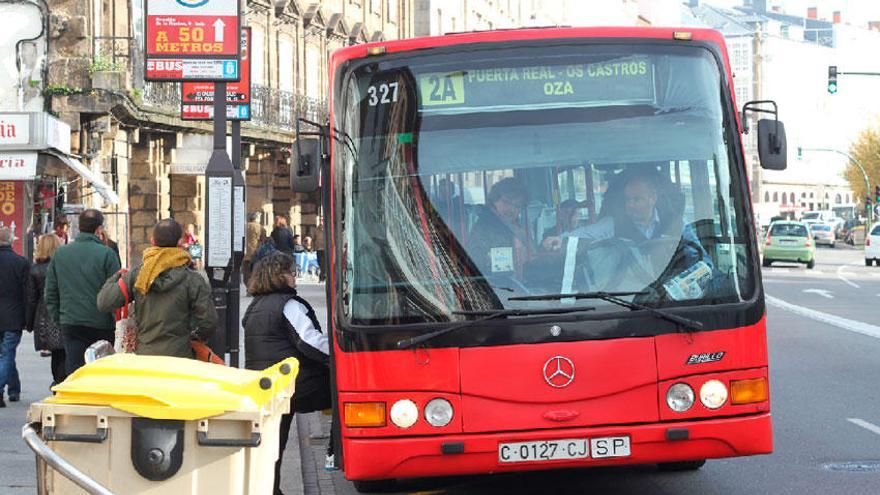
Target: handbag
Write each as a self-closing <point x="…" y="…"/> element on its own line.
<point x="202" y="352"/>
<point x="129" y="325"/>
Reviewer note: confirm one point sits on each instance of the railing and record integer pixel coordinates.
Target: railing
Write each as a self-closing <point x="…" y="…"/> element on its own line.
<point x="114" y="51"/>
<point x="279" y="109"/>
<point x="162" y="96"/>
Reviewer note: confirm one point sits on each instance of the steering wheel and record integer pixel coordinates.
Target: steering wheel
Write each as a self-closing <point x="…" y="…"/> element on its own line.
<point x="589" y="256"/>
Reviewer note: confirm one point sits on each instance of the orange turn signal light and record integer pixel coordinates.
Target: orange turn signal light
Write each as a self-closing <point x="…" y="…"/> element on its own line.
<point x="748" y="391"/>
<point x="364" y="414"/>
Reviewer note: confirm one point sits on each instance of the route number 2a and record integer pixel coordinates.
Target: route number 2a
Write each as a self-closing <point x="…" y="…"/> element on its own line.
<point x="383" y="94"/>
<point x="442" y="88"/>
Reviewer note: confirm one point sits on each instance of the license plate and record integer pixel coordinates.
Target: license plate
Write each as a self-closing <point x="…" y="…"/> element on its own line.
<point x="546" y="450"/>
<point x="786" y="242"/>
<point x="610" y="447"/>
<point x="566" y="449"/>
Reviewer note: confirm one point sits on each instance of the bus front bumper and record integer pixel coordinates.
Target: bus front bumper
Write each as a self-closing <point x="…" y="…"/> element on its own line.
<point x="416" y="457"/>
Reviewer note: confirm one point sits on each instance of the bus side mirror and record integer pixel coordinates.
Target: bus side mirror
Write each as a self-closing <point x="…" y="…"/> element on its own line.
<point x="771" y="144"/>
<point x="305" y="164"/>
<point x="771" y="134"/>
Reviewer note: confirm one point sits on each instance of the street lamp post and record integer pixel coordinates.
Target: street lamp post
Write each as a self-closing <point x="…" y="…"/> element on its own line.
<point x="851" y="158"/>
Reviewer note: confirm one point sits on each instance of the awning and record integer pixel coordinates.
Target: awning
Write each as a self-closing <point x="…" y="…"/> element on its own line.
<point x="95" y="180"/>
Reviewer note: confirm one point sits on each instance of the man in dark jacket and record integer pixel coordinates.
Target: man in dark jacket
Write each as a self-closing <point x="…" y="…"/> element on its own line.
<point x="282" y="236"/>
<point x="172" y="300"/>
<point x="75" y="275"/>
<point x="13" y="278"/>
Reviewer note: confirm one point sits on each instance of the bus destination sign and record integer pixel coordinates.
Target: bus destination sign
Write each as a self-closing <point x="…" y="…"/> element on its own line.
<point x="192" y="40"/>
<point x="621" y="81"/>
<point x="197" y="101"/>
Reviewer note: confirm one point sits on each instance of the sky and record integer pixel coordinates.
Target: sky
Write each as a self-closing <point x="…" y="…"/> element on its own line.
<point x="598" y="12"/>
<point x="854" y="11"/>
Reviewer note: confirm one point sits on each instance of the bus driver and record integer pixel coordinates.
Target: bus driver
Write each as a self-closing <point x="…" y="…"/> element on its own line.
<point x="641" y="219"/>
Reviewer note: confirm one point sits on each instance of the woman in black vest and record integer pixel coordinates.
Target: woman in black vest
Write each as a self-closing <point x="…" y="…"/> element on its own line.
<point x="279" y="324"/>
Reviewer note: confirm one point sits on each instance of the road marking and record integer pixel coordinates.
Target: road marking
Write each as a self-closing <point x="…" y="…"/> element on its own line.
<point x="837" y="321"/>
<point x="864" y="424"/>
<point x="841" y="277"/>
<point x="822" y="292"/>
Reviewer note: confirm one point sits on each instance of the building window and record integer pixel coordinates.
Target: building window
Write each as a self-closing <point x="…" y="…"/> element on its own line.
<point x="791" y="198"/>
<point x="776" y="197"/>
<point x="257" y="60"/>
<point x="766" y="197"/>
<point x="391" y="10"/>
<point x="286" y="62"/>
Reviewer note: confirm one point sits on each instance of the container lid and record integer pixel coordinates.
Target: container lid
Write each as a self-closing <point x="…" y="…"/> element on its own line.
<point x="161" y="387"/>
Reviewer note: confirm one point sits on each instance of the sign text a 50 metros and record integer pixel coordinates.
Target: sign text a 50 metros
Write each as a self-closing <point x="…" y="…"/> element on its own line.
<point x="192" y="40"/>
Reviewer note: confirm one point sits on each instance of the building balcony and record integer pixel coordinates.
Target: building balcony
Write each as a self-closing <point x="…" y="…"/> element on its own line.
<point x="279" y="109"/>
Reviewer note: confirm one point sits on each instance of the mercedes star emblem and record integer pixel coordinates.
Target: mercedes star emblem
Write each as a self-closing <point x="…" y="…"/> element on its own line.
<point x="559" y="372"/>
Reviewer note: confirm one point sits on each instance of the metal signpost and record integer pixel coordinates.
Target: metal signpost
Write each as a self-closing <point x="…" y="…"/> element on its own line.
<point x="199" y="103"/>
<point x="192" y="40"/>
<point x="219" y="202"/>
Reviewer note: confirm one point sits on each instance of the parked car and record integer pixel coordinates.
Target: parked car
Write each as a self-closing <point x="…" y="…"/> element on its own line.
<point x="872" y="246"/>
<point x="823" y="234"/>
<point x="789" y="241"/>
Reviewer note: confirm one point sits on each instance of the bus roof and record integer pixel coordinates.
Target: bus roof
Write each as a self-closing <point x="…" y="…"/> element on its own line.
<point x="359" y="51"/>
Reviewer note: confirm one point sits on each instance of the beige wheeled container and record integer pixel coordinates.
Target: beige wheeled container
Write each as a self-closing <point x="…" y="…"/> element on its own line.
<point x="128" y="424"/>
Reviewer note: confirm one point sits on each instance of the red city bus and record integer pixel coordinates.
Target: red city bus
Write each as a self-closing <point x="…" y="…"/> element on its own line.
<point x="542" y="253"/>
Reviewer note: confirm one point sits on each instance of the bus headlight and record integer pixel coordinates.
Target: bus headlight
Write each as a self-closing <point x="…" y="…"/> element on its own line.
<point x="438" y="412"/>
<point x="713" y="394"/>
<point x="404" y="413"/>
<point x="680" y="397"/>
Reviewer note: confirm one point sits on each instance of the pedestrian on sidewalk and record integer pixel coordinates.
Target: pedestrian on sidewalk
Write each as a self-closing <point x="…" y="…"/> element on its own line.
<point x="282" y="236"/>
<point x="73" y="279"/>
<point x="320" y="251"/>
<point x="61" y="228"/>
<point x="172" y="301"/>
<point x="47" y="335"/>
<point x="279" y="324"/>
<point x="254" y="236"/>
<point x="13" y="278"/>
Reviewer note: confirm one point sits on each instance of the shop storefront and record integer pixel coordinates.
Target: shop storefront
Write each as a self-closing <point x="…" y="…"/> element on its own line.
<point x="40" y="180"/>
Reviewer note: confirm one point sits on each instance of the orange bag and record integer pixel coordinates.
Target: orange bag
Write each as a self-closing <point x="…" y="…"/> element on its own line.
<point x="202" y="352"/>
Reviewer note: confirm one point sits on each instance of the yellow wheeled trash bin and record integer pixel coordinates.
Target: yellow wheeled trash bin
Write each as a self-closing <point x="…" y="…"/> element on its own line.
<point x="128" y="424"/>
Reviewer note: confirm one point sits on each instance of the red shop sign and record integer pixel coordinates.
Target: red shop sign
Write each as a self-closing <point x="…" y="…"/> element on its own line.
<point x="12" y="211"/>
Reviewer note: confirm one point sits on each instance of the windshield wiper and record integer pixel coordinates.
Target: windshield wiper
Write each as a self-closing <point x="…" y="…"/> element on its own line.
<point x="486" y="315"/>
<point x="614" y="298"/>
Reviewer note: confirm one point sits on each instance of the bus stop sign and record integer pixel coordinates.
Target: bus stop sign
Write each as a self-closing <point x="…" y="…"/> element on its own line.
<point x="197" y="99"/>
<point x="192" y="40"/>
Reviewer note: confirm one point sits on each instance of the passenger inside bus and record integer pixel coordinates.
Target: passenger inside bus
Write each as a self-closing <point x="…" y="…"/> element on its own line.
<point x="499" y="242"/>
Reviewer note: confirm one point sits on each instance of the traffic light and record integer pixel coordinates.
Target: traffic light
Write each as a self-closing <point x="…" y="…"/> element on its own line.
<point x="832" y="79"/>
<point x="868" y="202"/>
<point x="877" y="194"/>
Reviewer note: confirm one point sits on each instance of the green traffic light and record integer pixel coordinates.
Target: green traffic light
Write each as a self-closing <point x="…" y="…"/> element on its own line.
<point x="832" y="88"/>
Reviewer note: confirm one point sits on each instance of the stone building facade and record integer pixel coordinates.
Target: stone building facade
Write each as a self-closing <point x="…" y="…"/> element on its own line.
<point x="131" y="133"/>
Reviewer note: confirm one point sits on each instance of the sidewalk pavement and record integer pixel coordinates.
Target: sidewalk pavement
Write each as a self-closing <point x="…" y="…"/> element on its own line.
<point x="17" y="462"/>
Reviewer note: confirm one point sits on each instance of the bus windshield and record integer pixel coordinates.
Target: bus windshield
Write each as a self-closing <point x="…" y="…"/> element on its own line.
<point x="466" y="179"/>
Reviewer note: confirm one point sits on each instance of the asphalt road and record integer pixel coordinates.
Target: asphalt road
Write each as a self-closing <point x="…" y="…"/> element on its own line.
<point x="824" y="340"/>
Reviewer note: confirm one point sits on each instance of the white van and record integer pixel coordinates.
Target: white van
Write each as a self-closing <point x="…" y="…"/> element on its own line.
<point x="820" y="216"/>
